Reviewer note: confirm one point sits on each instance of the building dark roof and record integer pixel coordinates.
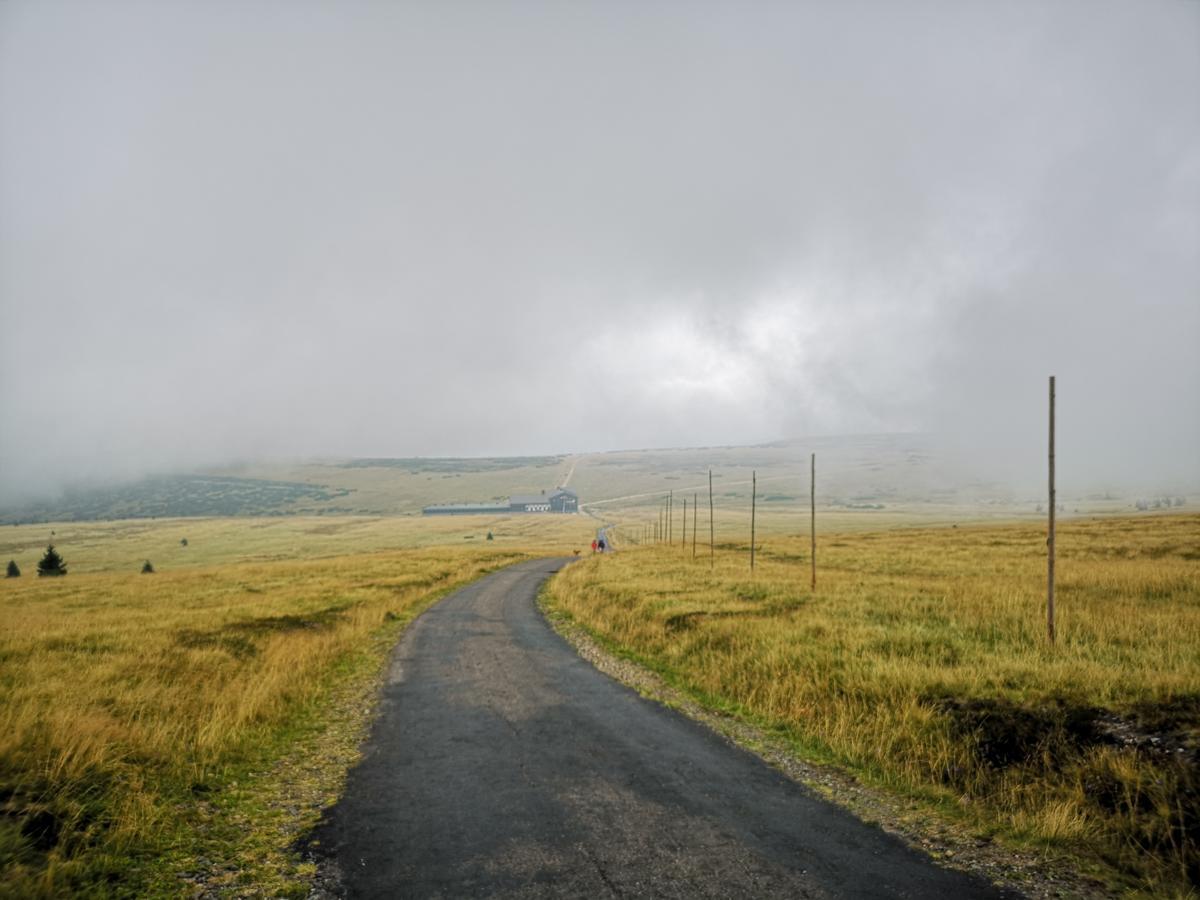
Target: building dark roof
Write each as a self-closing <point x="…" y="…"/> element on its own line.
<point x="523" y="499"/>
<point x="465" y="508"/>
<point x="567" y="500"/>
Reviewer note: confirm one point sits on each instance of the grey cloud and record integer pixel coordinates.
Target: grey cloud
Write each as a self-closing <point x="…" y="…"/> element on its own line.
<point x="393" y="229"/>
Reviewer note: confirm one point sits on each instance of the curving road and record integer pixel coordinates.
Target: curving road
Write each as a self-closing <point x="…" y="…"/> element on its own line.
<point x="503" y="765"/>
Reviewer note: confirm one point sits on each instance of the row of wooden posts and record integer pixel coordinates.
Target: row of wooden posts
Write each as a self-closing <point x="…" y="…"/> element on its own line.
<point x="663" y="529"/>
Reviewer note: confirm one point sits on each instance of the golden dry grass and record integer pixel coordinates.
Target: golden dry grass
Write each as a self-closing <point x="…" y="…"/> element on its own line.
<point x="921" y="662"/>
<point x="122" y="546"/>
<point x="168" y="733"/>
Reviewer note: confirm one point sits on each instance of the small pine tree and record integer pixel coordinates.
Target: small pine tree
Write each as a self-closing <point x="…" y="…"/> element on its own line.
<point x="14" y="570"/>
<point x="490" y="536"/>
<point x="52" y="563"/>
<point x="183" y="542"/>
<point x="147" y="568"/>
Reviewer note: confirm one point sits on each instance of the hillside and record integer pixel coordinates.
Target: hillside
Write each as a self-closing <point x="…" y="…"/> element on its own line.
<point x="881" y="478"/>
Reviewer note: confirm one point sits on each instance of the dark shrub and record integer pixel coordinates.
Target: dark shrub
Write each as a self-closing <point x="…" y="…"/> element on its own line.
<point x="52" y="563"/>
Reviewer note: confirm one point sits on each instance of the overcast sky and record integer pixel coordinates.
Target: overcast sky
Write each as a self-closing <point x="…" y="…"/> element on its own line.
<point x="264" y="229"/>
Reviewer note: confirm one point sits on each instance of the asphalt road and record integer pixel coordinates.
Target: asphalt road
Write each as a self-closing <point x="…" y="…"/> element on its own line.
<point x="503" y="765"/>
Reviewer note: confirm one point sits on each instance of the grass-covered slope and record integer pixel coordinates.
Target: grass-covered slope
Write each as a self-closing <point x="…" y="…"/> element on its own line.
<point x="871" y="481"/>
<point x="921" y="663"/>
<point x="174" y="733"/>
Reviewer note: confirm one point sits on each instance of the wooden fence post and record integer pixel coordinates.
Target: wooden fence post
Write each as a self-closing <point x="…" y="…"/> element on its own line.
<point x="695" y="506"/>
<point x="712" y="552"/>
<point x="1050" y="535"/>
<point x="753" y="501"/>
<point x="812" y="523"/>
<point x="684" y="540"/>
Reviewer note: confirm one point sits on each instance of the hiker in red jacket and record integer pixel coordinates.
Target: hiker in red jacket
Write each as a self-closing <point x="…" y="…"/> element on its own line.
<point x="593" y="546"/>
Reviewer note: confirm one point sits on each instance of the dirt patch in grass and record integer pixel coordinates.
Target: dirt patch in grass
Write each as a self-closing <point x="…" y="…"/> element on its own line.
<point x="237" y="638"/>
<point x="1005" y="733"/>
<point x="685" y="620"/>
<point x="1139" y="766"/>
<point x="316" y="620"/>
<point x="1172" y="726"/>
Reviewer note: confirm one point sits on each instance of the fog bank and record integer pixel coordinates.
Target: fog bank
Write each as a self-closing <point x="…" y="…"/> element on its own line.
<point x="316" y="229"/>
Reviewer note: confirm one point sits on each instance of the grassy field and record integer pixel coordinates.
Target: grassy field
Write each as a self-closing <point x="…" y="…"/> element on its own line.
<point x="123" y="546"/>
<point x="920" y="663"/>
<point x="174" y="733"/>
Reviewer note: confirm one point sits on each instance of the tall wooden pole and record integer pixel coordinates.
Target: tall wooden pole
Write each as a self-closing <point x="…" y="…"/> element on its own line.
<point x="753" y="501"/>
<point x="1050" y="537"/>
<point x="712" y="551"/>
<point x="812" y="522"/>
<point x="695" y="511"/>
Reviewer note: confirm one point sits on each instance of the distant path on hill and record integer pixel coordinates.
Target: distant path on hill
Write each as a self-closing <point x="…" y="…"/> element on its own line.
<point x="504" y="765"/>
<point x="570" y="472"/>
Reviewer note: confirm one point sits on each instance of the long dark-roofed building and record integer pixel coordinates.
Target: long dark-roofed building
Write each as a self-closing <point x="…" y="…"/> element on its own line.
<point x="560" y="500"/>
<point x="464" y="509"/>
